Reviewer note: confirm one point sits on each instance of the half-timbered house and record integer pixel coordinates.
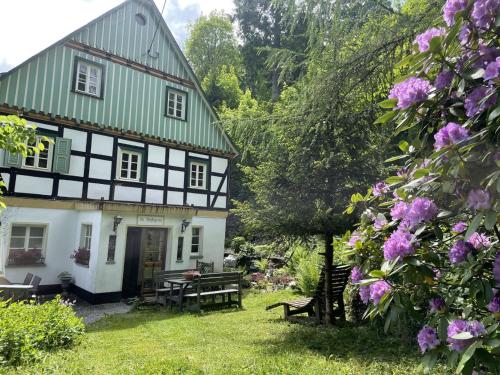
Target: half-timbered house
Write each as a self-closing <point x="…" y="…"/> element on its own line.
<point x="136" y="176"/>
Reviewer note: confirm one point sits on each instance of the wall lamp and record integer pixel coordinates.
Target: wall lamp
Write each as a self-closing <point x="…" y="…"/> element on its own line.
<point x="184" y="225"/>
<point x="116" y="221"/>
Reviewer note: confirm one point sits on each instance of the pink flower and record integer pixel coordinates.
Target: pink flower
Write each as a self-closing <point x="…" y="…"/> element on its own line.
<point x="459" y="227"/>
<point x="423" y="40"/>
<point x="379" y="289"/>
<point x="479" y="199"/>
<point x="451" y="8"/>
<point x="380" y="188"/>
<point x="479" y="240"/>
<point x="411" y="91"/>
<point x="399" y="210"/>
<point x="399" y="244"/>
<point x="449" y="135"/>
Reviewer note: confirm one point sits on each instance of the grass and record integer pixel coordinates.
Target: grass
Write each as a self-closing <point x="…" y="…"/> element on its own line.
<point x="231" y="341"/>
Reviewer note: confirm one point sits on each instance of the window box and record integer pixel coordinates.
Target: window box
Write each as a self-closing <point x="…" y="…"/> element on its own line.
<point x="81" y="256"/>
<point x="25" y="258"/>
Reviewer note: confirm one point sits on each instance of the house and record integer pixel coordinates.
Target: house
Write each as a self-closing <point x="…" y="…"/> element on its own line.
<point x="135" y="179"/>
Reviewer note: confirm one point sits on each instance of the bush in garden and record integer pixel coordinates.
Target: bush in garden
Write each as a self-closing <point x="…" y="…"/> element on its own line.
<point x="427" y="248"/>
<point x="27" y="329"/>
<point x="308" y="273"/>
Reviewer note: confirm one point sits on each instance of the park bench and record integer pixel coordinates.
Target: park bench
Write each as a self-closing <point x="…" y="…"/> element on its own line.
<point x="315" y="306"/>
<point x="223" y="284"/>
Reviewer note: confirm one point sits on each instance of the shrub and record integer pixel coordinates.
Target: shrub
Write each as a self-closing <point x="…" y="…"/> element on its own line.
<point x="308" y="272"/>
<point x="434" y="225"/>
<point x="27" y="330"/>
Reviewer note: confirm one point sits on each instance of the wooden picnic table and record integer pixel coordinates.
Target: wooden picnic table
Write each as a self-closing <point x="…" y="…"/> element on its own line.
<point x="183" y="285"/>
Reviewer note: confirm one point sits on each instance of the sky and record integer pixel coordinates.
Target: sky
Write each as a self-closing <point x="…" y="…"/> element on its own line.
<point x="33" y="25"/>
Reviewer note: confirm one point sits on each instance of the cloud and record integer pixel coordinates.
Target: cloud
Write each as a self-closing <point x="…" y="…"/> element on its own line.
<point x="5" y="66"/>
<point x="179" y="18"/>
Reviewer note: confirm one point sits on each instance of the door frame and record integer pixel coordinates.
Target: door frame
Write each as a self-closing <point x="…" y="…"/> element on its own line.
<point x="168" y="246"/>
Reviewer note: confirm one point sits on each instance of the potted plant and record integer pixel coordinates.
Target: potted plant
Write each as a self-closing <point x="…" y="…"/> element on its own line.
<point x="65" y="278"/>
<point x="22" y="257"/>
<point x="81" y="256"/>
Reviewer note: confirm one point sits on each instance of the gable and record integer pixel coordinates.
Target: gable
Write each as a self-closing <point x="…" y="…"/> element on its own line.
<point x="134" y="82"/>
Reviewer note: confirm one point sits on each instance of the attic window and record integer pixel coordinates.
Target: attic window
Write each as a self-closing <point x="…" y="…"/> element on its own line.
<point x="140" y="19"/>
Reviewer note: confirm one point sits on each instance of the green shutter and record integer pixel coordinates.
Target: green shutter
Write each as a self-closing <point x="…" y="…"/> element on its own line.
<point x="13" y="159"/>
<point x="62" y="152"/>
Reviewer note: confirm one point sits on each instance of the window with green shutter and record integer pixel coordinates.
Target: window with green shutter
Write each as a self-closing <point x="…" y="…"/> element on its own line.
<point x="13" y="159"/>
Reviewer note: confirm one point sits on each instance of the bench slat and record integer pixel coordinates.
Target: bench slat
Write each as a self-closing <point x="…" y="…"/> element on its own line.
<point x="212" y="292"/>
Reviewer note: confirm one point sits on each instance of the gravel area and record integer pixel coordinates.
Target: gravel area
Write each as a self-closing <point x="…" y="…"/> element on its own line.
<point x="92" y="313"/>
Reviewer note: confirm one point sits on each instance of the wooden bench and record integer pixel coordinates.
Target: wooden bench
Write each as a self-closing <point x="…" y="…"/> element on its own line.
<point x="315" y="306"/>
<point x="223" y="284"/>
<point x="161" y="287"/>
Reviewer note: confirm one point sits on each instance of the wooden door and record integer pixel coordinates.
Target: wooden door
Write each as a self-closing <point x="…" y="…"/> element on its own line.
<point x="153" y="251"/>
<point x="131" y="281"/>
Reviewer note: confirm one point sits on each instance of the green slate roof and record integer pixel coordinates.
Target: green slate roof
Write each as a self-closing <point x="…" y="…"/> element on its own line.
<point x="133" y="100"/>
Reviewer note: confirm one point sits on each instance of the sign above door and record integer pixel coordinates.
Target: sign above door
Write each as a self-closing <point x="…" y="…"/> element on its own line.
<point x="149" y="220"/>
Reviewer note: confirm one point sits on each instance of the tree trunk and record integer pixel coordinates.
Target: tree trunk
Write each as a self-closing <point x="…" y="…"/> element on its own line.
<point x="329" y="319"/>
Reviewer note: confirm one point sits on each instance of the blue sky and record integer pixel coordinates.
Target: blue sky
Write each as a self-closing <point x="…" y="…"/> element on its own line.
<point x="33" y="25"/>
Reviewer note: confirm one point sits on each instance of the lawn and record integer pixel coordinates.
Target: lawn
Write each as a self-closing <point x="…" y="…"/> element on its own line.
<point x="248" y="341"/>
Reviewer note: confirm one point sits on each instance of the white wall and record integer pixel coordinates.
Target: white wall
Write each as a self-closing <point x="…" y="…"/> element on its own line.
<point x="60" y="239"/>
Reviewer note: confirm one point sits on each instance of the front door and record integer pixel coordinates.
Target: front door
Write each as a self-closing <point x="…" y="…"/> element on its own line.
<point x="144" y="254"/>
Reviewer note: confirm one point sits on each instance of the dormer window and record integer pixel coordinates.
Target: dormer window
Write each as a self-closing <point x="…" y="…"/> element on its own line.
<point x="88" y="78"/>
<point x="176" y="104"/>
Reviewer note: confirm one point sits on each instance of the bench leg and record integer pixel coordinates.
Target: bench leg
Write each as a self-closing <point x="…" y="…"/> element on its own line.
<point x="239" y="299"/>
<point x="286" y="311"/>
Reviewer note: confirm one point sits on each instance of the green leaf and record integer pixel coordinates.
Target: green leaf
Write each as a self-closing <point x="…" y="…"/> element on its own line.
<point x="494" y="114"/>
<point x="467" y="355"/>
<point x="394" y="180"/>
<point x="386" y="117"/>
<point x="404" y="146"/>
<point x="394" y="158"/>
<point x="462" y="336"/>
<point x="490" y="219"/>
<point x="377" y="273"/>
<point x="388" y="103"/>
<point x="443" y="329"/>
<point x="421" y="173"/>
<point x="473" y="225"/>
<point x="435" y="44"/>
<point x="474" y="73"/>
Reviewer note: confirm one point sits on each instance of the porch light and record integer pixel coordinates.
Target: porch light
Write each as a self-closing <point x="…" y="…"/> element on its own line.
<point x="116" y="221"/>
<point x="184" y="225"/>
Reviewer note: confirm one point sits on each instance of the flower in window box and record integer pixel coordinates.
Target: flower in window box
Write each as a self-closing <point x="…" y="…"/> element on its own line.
<point x="23" y="257"/>
<point x="81" y="256"/>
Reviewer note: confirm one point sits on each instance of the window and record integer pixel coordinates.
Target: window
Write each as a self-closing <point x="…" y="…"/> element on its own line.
<point x="88" y="78"/>
<point x="111" y="249"/>
<point x="196" y="240"/>
<point x="42" y="160"/>
<point x="129" y="165"/>
<point x="197" y="175"/>
<point x="176" y="104"/>
<point x="86" y="236"/>
<point x="26" y="244"/>
<point x="180" y="246"/>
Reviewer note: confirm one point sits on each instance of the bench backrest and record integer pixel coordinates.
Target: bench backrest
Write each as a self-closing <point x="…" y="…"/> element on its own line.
<point x="205" y="267"/>
<point x="340" y="275"/>
<point x="161" y="276"/>
<point x="216" y="280"/>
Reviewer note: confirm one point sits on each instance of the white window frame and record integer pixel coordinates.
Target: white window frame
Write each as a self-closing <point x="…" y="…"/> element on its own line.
<point x="88" y="66"/>
<point x="36" y="156"/>
<point x="197" y="178"/>
<point x="200" y="240"/>
<point x="86" y="236"/>
<point x="27" y="237"/>
<point x="177" y="94"/>
<point x="121" y="152"/>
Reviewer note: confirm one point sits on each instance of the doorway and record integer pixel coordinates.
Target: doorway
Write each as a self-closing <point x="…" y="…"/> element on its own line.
<point x="145" y="253"/>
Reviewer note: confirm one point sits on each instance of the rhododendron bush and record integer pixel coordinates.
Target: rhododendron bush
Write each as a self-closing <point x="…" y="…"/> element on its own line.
<point x="427" y="247"/>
